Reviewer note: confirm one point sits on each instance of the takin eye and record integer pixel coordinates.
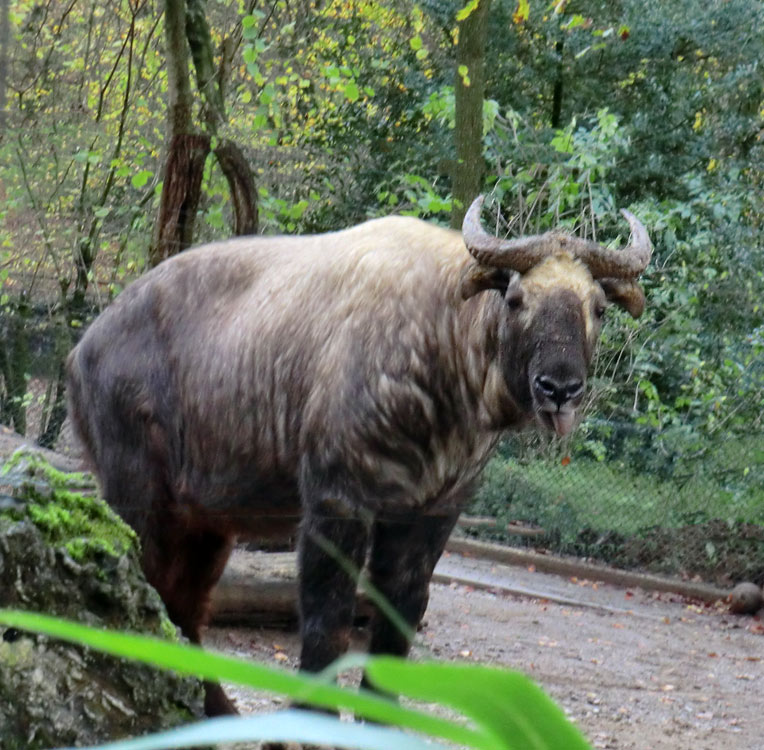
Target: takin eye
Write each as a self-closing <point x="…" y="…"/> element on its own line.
<point x="514" y="299"/>
<point x="599" y="310"/>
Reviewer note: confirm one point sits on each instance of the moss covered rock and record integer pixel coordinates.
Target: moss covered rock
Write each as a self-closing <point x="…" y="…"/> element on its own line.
<point x="65" y="553"/>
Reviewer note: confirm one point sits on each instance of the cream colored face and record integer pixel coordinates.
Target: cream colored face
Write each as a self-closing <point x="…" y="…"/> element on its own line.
<point x="557" y="273"/>
<point x="554" y="320"/>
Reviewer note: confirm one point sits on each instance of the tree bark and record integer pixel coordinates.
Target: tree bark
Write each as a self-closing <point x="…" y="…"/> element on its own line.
<point x="5" y="37"/>
<point x="187" y="151"/>
<point x="187" y="34"/>
<point x="558" y="86"/>
<point x="469" y="90"/>
<point x="14" y="364"/>
<point x="180" y="102"/>
<point x="242" y="185"/>
<point x="184" y="168"/>
<point x="200" y="44"/>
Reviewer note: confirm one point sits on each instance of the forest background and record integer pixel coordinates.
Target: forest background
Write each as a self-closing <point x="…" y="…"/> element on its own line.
<point x="130" y="129"/>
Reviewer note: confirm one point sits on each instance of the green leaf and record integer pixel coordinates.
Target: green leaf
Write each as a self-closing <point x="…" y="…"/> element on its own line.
<point x="351" y="91"/>
<point x="141" y="178"/>
<point x="192" y="660"/>
<point x="523" y="11"/>
<point x="465" y="12"/>
<point x="284" y="726"/>
<point x="509" y="707"/>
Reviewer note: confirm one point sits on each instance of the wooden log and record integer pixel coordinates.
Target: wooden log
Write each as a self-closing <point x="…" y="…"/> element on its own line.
<point x="261" y="588"/>
<point x="270" y="603"/>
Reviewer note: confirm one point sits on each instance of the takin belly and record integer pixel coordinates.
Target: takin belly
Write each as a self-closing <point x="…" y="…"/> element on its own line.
<point x="242" y="501"/>
<point x="264" y="482"/>
<point x="436" y="481"/>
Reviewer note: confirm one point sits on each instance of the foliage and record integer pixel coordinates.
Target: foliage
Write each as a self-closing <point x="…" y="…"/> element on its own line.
<point x="506" y="710"/>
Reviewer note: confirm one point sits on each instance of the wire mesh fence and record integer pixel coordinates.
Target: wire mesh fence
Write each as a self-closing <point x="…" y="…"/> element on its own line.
<point x="684" y="510"/>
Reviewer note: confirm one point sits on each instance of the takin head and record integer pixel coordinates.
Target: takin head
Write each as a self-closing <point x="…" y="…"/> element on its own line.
<point x="555" y="290"/>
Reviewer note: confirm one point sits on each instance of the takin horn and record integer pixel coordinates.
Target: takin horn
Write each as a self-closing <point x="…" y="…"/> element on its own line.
<point x="525" y="252"/>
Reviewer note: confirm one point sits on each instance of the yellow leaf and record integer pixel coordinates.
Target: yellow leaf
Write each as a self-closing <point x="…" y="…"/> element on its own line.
<point x="467" y="10"/>
<point x="522" y="12"/>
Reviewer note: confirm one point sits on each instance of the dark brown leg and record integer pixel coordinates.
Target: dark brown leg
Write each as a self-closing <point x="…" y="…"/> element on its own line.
<point x="404" y="552"/>
<point x="331" y="551"/>
<point x="184" y="569"/>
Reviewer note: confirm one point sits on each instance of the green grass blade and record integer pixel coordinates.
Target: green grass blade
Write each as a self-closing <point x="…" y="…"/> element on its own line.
<point x="506" y="704"/>
<point x="284" y="726"/>
<point x="303" y="688"/>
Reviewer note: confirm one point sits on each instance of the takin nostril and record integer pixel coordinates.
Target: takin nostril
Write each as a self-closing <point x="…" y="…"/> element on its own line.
<point x="574" y="389"/>
<point x="547" y="386"/>
<point x="558" y="392"/>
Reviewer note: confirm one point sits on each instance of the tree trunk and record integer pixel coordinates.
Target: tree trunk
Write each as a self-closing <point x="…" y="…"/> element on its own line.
<point x="14" y="365"/>
<point x="200" y="44"/>
<point x="5" y="38"/>
<point x="469" y="90"/>
<point x="558" y="84"/>
<point x="184" y="169"/>
<point x="242" y="185"/>
<point x="178" y="84"/>
<point x="187" y="150"/>
<point x="54" y="409"/>
<point x="55" y="412"/>
<point x="187" y="33"/>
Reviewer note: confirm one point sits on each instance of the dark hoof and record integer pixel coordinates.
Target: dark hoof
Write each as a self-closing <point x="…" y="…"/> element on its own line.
<point x="216" y="702"/>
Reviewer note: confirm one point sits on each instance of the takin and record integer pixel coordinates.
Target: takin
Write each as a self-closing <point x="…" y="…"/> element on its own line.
<point x="355" y="382"/>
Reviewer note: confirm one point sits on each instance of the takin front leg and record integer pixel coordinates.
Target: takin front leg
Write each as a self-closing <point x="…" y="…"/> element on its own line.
<point x="404" y="552"/>
<point x="331" y="553"/>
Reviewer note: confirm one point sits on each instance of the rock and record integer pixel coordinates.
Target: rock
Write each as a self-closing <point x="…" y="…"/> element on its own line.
<point x="67" y="554"/>
<point x="745" y="599"/>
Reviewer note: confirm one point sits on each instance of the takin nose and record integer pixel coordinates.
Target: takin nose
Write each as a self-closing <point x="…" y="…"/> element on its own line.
<point x="559" y="391"/>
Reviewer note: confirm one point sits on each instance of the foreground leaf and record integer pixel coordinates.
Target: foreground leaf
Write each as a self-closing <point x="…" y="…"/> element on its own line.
<point x="505" y="703"/>
<point x="284" y="726"/>
<point x="192" y="660"/>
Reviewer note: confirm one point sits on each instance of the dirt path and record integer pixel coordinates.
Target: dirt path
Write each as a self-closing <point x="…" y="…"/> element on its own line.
<point x="634" y="670"/>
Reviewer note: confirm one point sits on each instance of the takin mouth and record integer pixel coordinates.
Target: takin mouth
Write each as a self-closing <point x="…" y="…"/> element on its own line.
<point x="562" y="422"/>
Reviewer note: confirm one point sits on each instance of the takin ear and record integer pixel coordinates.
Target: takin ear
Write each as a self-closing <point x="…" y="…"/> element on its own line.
<point x="479" y="278"/>
<point x="626" y="294"/>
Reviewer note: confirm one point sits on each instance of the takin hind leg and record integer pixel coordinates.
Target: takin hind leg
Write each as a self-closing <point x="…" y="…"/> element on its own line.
<point x="404" y="551"/>
<point x="184" y="566"/>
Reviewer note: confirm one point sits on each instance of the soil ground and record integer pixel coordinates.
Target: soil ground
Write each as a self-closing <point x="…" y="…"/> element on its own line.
<point x="634" y="670"/>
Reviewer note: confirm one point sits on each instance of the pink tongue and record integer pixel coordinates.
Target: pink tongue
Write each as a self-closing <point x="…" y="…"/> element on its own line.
<point x="563" y="422"/>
